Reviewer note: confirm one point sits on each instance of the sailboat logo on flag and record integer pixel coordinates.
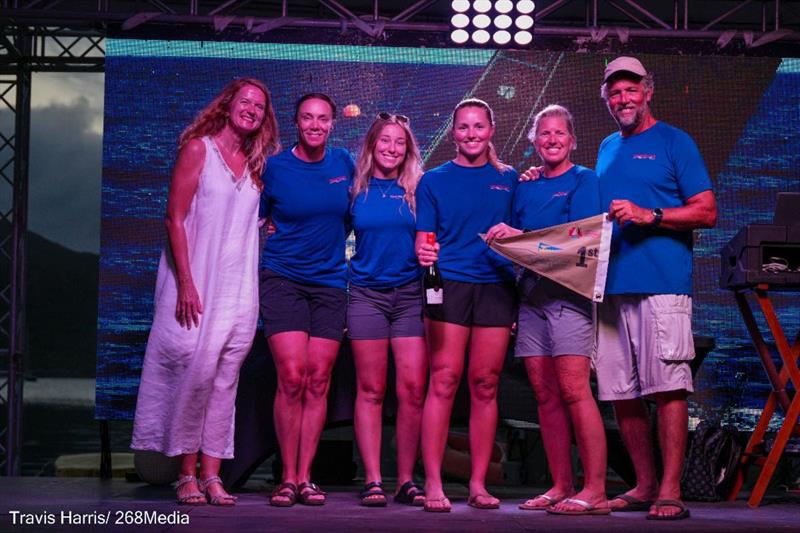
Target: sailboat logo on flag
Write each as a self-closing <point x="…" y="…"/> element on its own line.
<point x="574" y="254"/>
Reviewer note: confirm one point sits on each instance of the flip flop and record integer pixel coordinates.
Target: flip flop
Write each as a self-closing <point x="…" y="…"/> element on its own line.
<point x="586" y="509"/>
<point x="632" y="504"/>
<point x="430" y="509"/>
<point x="550" y="502"/>
<point x="368" y="495"/>
<point x="670" y="503"/>
<point x="410" y="494"/>
<point x="473" y="502"/>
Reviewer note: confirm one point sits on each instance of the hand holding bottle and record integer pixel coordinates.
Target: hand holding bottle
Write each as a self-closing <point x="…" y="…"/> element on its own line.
<point x="428" y="252"/>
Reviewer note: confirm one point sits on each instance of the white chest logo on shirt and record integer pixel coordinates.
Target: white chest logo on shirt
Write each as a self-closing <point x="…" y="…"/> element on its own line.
<point x="504" y="188"/>
<point x="651" y="157"/>
<point x="337" y="179"/>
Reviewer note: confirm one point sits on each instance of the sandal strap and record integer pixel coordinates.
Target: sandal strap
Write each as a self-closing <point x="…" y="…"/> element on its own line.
<point x="374" y="488"/>
<point x="412" y="489"/>
<point x="203" y="484"/>
<point x="281" y="490"/>
<point x="183" y="480"/>
<point x="311" y="486"/>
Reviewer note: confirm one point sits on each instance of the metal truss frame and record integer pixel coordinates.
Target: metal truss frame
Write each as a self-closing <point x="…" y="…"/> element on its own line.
<point x="67" y="36"/>
<point x="24" y="50"/>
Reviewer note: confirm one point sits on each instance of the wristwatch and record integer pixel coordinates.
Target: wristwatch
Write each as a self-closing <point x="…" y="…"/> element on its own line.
<point x="658" y="214"/>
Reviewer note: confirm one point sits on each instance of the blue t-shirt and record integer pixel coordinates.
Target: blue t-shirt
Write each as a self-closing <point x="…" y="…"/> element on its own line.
<point x="309" y="204"/>
<point x="546" y="202"/>
<point x="457" y="203"/>
<point x="660" y="167"/>
<point x="384" y="227"/>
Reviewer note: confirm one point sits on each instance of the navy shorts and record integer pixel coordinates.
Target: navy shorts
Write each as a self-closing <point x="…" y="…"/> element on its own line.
<point x="385" y="313"/>
<point x="476" y="304"/>
<point x="287" y="305"/>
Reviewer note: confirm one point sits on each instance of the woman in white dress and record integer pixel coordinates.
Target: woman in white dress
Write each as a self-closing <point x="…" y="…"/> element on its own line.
<point x="206" y="301"/>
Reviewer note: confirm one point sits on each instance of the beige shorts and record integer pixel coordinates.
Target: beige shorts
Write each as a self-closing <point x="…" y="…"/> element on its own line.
<point x="644" y="345"/>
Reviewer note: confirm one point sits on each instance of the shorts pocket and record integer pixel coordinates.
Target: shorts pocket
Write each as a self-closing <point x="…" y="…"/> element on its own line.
<point x="673" y="324"/>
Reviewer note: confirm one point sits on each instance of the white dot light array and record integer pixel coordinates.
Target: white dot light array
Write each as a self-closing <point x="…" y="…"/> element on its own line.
<point x="495" y="23"/>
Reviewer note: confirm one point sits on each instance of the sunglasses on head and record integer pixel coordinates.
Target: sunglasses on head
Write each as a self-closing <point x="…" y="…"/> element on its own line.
<point x="389" y="116"/>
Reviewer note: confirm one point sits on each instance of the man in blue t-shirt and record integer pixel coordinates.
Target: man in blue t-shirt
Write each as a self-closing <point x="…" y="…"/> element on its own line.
<point x="656" y="187"/>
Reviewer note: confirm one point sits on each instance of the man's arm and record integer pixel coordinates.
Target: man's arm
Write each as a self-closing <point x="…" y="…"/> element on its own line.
<point x="699" y="211"/>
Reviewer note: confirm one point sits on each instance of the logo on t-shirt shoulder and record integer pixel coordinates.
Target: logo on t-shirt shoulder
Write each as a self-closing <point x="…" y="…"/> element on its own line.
<point x="337" y="179"/>
<point x="651" y="157"/>
<point x="497" y="187"/>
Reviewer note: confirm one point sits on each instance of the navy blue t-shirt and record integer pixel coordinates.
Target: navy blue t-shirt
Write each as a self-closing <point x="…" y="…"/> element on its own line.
<point x="546" y="202"/>
<point x="457" y="203"/>
<point x="385" y="229"/>
<point x="309" y="204"/>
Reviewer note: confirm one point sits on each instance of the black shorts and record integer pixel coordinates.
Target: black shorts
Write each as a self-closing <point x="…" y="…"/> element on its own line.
<point x="290" y="306"/>
<point x="476" y="304"/>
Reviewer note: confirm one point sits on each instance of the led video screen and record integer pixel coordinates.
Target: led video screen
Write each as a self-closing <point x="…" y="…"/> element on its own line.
<point x="748" y="131"/>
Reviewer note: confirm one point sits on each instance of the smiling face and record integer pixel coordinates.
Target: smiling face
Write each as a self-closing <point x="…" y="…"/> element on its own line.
<point x="314" y="123"/>
<point x="472" y="132"/>
<point x="553" y="141"/>
<point x="628" y="102"/>
<point x="247" y="108"/>
<point x="389" y="152"/>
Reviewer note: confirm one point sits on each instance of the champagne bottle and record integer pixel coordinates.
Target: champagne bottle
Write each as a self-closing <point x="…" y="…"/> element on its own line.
<point x="432" y="281"/>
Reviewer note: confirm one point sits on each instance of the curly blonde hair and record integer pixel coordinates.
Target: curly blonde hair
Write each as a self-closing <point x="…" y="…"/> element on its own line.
<point x="410" y="170"/>
<point x="258" y="146"/>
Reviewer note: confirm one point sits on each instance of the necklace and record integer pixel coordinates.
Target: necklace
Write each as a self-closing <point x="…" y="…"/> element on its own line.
<point x="384" y="191"/>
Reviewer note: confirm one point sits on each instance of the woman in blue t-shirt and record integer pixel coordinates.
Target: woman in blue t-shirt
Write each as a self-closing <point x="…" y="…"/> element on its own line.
<point x="385" y="304"/>
<point x="303" y="287"/>
<point x="555" y="334"/>
<point x="456" y="201"/>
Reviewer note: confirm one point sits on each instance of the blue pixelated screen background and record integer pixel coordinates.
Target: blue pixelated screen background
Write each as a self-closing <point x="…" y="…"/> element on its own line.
<point x="748" y="131"/>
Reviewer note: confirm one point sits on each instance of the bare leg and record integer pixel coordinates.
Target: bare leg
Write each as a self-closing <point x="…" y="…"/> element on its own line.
<point x="634" y="425"/>
<point x="209" y="467"/>
<point x="572" y="372"/>
<point x="555" y="427"/>
<point x="411" y="364"/>
<point x="486" y="354"/>
<point x="321" y="356"/>
<point x="673" y="426"/>
<point x="189" y="468"/>
<point x="289" y="351"/>
<point x="371" y="359"/>
<point x="446" y="345"/>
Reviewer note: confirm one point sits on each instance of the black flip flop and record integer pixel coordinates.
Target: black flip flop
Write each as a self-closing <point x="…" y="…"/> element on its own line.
<point x="670" y="503"/>
<point x="632" y="504"/>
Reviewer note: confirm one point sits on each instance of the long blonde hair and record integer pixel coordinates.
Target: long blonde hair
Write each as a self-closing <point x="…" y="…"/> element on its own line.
<point x="491" y="154"/>
<point x="410" y="170"/>
<point x="259" y="145"/>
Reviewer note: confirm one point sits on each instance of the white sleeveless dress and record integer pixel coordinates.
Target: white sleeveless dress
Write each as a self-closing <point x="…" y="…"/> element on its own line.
<point x="188" y="387"/>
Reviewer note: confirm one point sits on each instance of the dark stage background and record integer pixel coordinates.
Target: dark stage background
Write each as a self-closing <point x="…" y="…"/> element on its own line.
<point x="744" y="114"/>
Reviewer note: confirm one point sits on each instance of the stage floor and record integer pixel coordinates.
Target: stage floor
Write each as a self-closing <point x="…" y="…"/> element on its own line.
<point x="72" y="503"/>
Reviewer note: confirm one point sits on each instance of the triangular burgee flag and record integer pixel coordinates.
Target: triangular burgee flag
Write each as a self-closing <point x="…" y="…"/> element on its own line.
<point x="574" y="254"/>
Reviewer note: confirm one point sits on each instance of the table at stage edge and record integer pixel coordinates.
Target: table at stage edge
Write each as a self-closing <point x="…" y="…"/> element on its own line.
<point x="790" y="371"/>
